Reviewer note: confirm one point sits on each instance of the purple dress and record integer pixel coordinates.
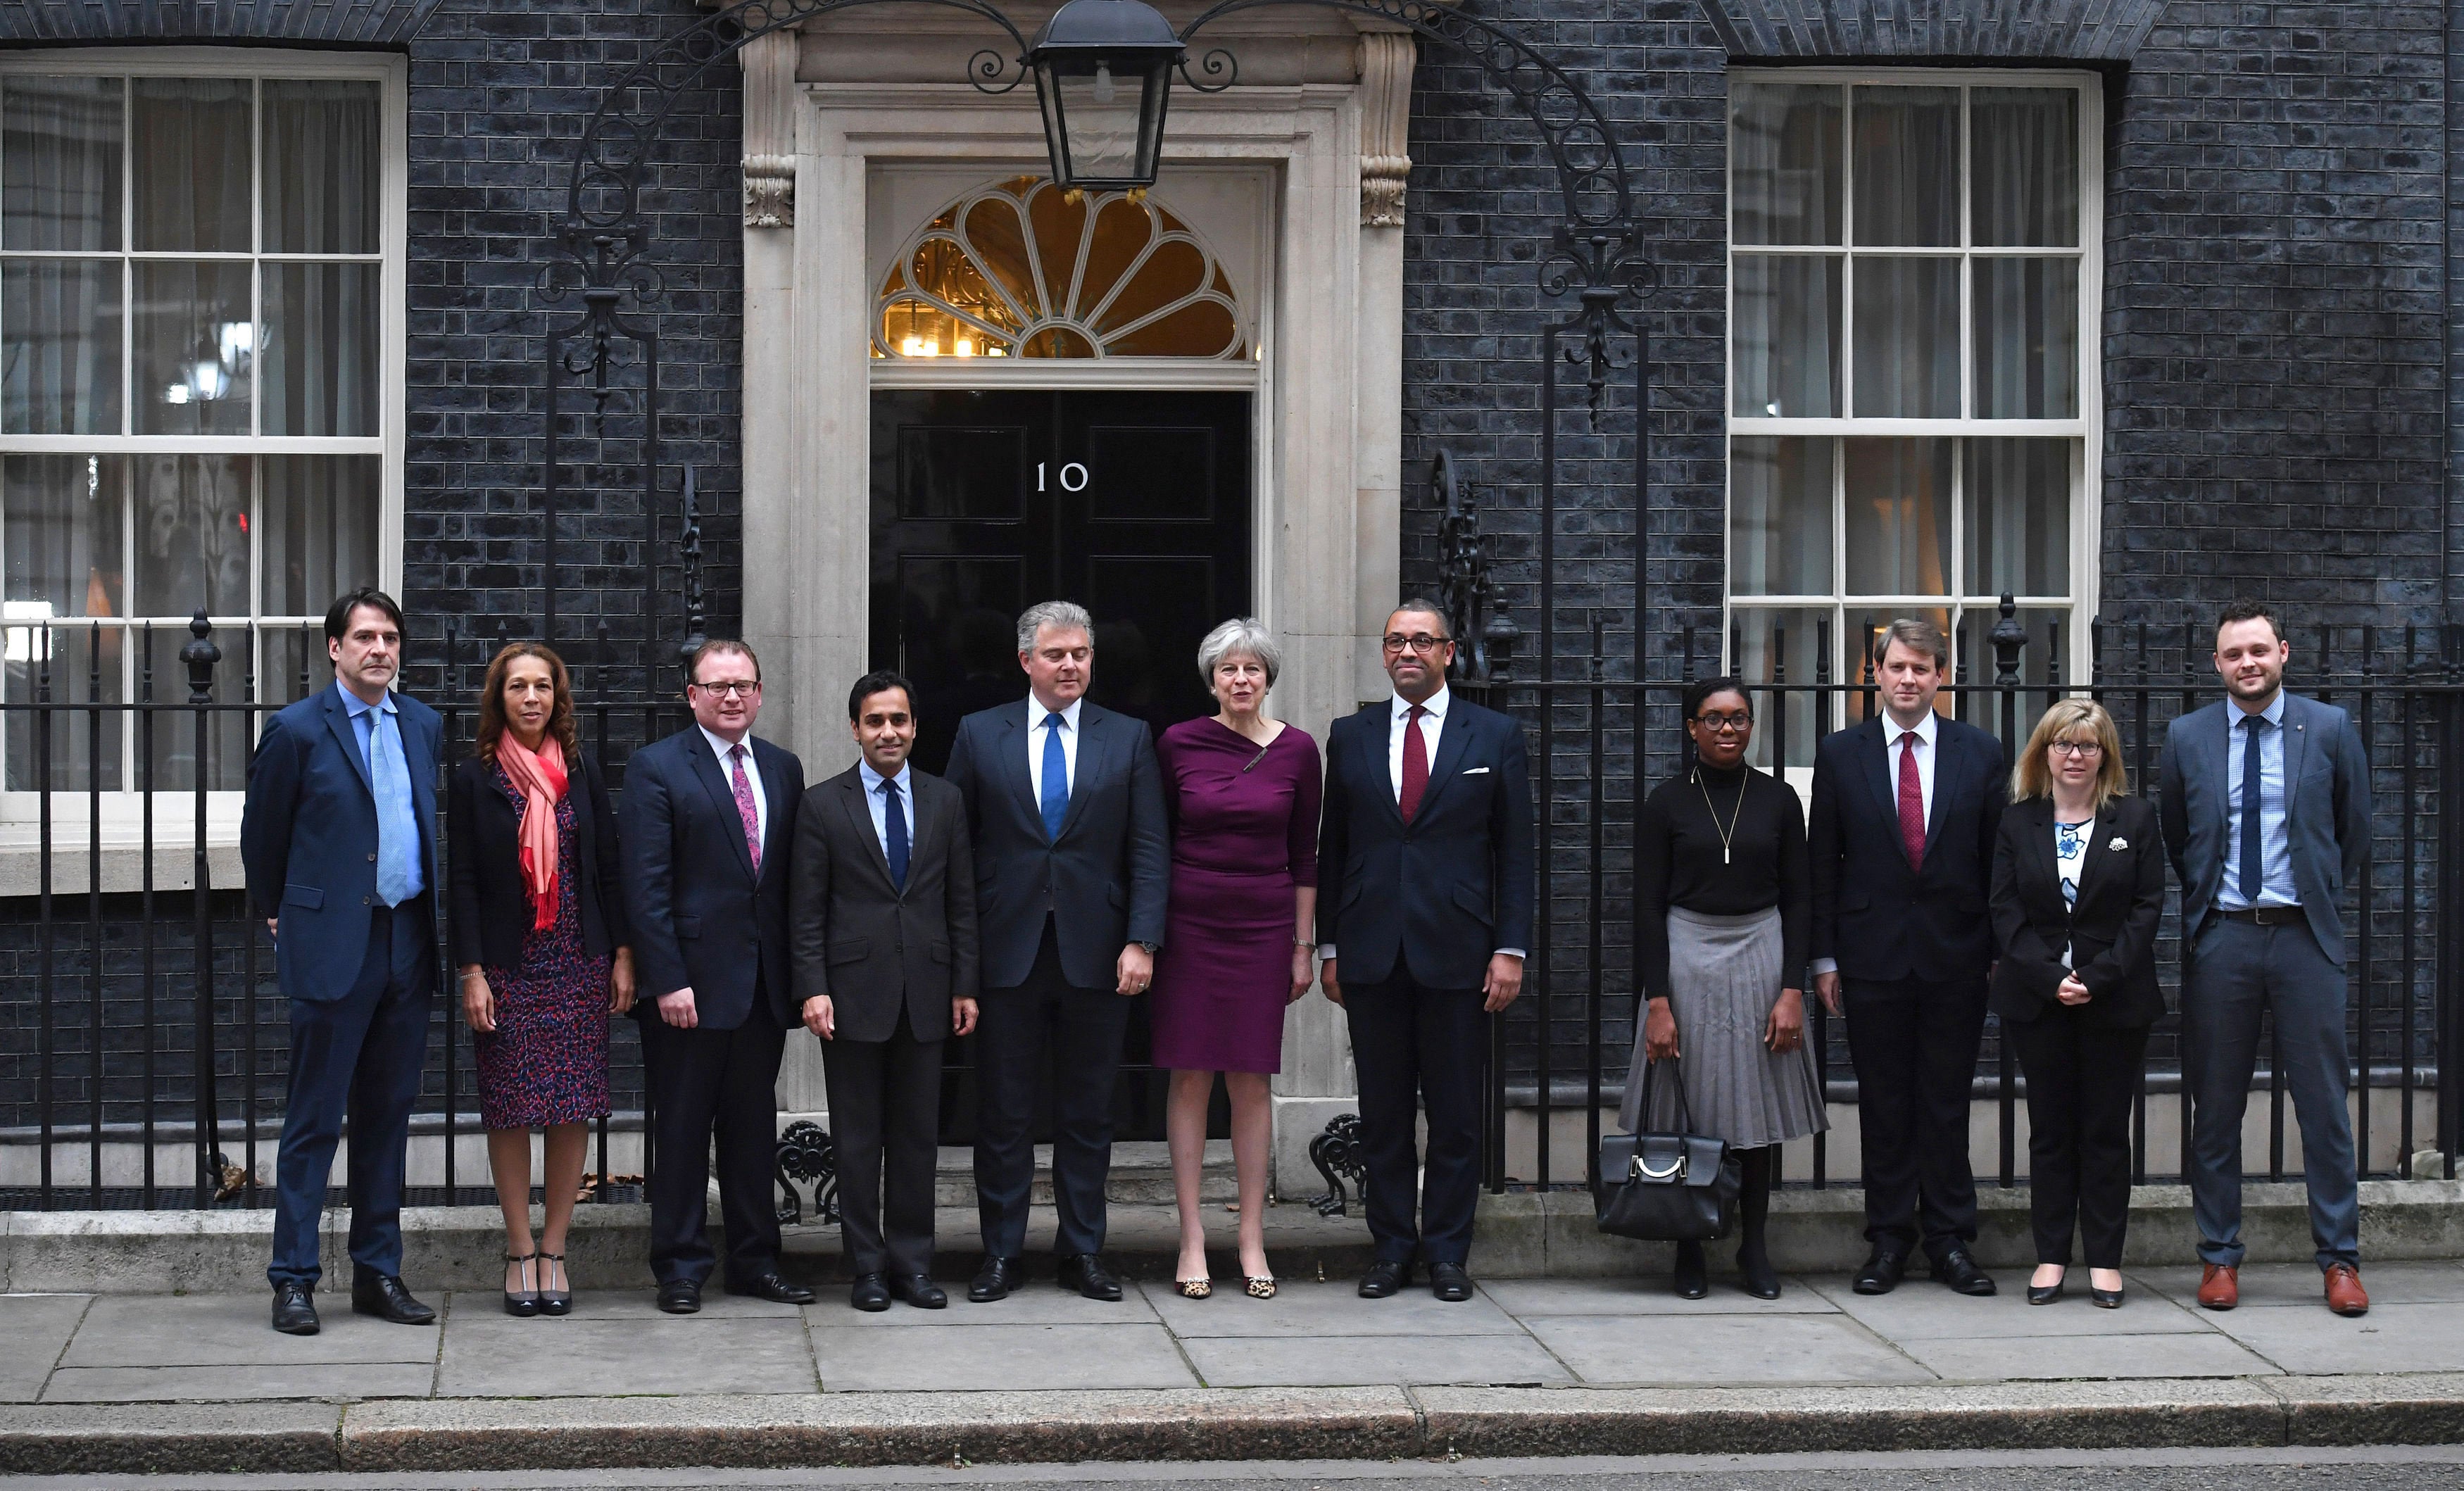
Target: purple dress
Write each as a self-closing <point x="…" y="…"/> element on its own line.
<point x="546" y="1062"/>
<point x="1244" y="834"/>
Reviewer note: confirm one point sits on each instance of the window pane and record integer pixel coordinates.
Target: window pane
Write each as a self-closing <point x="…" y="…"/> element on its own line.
<point x="1907" y="165"/>
<point x="2025" y="192"/>
<point x="229" y="732"/>
<point x="69" y="665"/>
<point x="1974" y="647"/>
<point x="1907" y="338"/>
<point x="319" y="536"/>
<point x="2018" y="494"/>
<point x="191" y="159"/>
<point x="60" y="320"/>
<point x="1780" y="516"/>
<point x="323" y="166"/>
<point x="1866" y="628"/>
<point x="195" y="345"/>
<point x="296" y="664"/>
<point x="1784" y="145"/>
<point x="1781" y="643"/>
<point x="2026" y="338"/>
<point x="1897" y="516"/>
<point x="322" y="358"/>
<point x="59" y="164"/>
<point x="191" y="516"/>
<point x="1787" y="336"/>
<point x="63" y="527"/>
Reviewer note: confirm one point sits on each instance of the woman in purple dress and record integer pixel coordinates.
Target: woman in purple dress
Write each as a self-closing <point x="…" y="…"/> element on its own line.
<point x="1243" y="791"/>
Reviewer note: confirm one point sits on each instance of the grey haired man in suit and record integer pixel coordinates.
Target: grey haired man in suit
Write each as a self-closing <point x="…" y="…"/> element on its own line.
<point x="881" y="926"/>
<point x="2266" y="815"/>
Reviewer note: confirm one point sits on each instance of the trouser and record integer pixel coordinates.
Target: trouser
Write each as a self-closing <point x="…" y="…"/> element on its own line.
<point x="886" y="1103"/>
<point x="2235" y="970"/>
<point x="703" y="1082"/>
<point x="1413" y="1047"/>
<point x="358" y="1059"/>
<point x="2082" y="1077"/>
<point x="1914" y="1045"/>
<point x="1046" y="1023"/>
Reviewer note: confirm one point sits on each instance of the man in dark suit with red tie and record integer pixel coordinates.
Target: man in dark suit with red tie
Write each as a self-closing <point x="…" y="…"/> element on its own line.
<point x="1425" y="865"/>
<point x="1905" y="807"/>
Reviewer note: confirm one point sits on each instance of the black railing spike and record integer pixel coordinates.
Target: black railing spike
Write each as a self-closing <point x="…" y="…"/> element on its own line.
<point x="200" y="656"/>
<point x="2007" y="638"/>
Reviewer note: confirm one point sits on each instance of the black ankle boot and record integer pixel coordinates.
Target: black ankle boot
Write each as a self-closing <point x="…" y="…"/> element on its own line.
<point x="1692" y="1281"/>
<point x="1755" y="1272"/>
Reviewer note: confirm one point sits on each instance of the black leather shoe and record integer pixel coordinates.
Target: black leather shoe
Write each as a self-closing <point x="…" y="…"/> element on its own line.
<point x="1383" y="1279"/>
<point x="1756" y="1276"/>
<point x="681" y="1296"/>
<point x="996" y="1279"/>
<point x="1690" y="1279"/>
<point x="384" y="1296"/>
<point x="918" y="1290"/>
<point x="1449" y="1283"/>
<point x="295" y="1310"/>
<point x="1883" y="1272"/>
<point x="1085" y="1272"/>
<point x="870" y="1294"/>
<point x="2045" y="1293"/>
<point x="773" y="1286"/>
<point x="1958" y="1270"/>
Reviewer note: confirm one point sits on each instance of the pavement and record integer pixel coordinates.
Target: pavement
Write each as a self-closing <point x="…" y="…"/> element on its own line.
<point x="123" y="1382"/>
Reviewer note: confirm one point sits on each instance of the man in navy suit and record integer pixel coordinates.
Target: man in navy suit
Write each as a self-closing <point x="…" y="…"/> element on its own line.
<point x="1905" y="807"/>
<point x="2266" y="815"/>
<point x="338" y="837"/>
<point x="709" y="831"/>
<point x="1424" y="861"/>
<point x="1065" y="805"/>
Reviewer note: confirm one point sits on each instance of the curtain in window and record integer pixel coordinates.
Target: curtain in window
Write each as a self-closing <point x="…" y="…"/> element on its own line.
<point x="59" y="319"/>
<point x="321" y="166"/>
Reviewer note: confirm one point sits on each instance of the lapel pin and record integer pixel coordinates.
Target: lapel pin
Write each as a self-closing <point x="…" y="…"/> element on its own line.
<point x="2118" y="842"/>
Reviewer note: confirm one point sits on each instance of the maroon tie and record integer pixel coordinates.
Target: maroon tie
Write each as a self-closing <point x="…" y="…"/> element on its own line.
<point x="1416" y="765"/>
<point x="1912" y="824"/>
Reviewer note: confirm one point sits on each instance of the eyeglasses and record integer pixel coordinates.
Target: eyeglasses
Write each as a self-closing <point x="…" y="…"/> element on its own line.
<point x="733" y="688"/>
<point x="1737" y="721"/>
<point x="2075" y="747"/>
<point x="1419" y="641"/>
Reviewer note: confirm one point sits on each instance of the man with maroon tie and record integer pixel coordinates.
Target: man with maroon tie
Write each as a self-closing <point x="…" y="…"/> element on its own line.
<point x="1425" y="877"/>
<point x="709" y="833"/>
<point x="1905" y="807"/>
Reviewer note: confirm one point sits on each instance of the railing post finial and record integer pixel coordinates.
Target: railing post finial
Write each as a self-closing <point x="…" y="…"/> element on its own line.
<point x="201" y="655"/>
<point x="2007" y="638"/>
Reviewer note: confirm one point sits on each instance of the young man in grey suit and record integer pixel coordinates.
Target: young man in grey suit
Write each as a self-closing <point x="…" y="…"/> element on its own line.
<point x="1071" y="869"/>
<point x="881" y="929"/>
<point x="2266" y="815"/>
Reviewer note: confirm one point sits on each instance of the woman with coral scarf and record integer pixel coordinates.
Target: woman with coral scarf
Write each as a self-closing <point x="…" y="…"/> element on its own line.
<point x="539" y="932"/>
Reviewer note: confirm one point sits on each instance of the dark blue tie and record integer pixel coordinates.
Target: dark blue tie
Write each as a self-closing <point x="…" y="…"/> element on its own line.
<point x="2250" y="858"/>
<point x="1056" y="777"/>
<point x="893" y="818"/>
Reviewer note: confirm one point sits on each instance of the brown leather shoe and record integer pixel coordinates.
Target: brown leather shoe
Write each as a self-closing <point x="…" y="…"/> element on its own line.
<point x="2344" y="1293"/>
<point x="2219" y="1286"/>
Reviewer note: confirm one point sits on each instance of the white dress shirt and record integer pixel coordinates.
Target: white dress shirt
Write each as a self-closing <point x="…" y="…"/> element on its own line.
<point x="874" y="799"/>
<point x="752" y="775"/>
<point x="1895" y="744"/>
<point x="1035" y="729"/>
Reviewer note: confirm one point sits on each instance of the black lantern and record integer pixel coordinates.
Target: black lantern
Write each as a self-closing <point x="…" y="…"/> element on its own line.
<point x="1103" y="73"/>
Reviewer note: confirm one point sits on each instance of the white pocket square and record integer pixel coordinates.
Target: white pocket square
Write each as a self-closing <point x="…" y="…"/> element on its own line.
<point x="1473" y="771"/>
<point x="2116" y="842"/>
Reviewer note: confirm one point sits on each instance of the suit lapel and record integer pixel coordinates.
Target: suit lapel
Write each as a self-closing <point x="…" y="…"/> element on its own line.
<point x="2296" y="743"/>
<point x="723" y="796"/>
<point x="1453" y="740"/>
<point x="1015" y="735"/>
<point x="1876" y="749"/>
<point x="1946" y="779"/>
<point x="859" y="812"/>
<point x="1095" y="733"/>
<point x="1374" y="748"/>
<point x="2098" y="830"/>
<point x="337" y="718"/>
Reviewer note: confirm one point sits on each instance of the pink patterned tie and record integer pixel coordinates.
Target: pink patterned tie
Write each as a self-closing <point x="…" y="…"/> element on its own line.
<point x="1912" y="823"/>
<point x="747" y="809"/>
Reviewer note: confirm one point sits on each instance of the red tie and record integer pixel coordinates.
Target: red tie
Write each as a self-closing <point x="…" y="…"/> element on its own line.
<point x="1416" y="765"/>
<point x="1912" y="824"/>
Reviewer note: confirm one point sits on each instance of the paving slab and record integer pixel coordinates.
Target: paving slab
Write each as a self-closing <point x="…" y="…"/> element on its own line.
<point x="231" y="1330"/>
<point x="2412" y="1338"/>
<point x="324" y="1381"/>
<point x="544" y="1356"/>
<point x="1923" y="1310"/>
<point x="1354" y="1360"/>
<point x="1039" y="1304"/>
<point x="989" y="1358"/>
<point x="1646" y="1295"/>
<point x="1327" y="1309"/>
<point x="2268" y="1285"/>
<point x="626" y="1305"/>
<point x="36" y="1328"/>
<point x="2054" y="1358"/>
<point x="1722" y="1349"/>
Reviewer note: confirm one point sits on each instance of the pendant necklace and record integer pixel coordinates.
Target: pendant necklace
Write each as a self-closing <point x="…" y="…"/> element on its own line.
<point x="1726" y="834"/>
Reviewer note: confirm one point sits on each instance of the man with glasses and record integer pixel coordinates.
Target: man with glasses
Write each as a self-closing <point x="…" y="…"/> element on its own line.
<point x="1425" y="877"/>
<point x="1905" y="807"/>
<point x="710" y="825"/>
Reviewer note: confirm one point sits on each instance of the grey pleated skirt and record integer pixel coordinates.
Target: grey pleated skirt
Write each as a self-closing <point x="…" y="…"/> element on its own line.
<point x="1724" y="971"/>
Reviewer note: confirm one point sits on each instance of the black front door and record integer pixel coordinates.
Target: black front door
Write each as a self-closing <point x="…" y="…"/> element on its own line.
<point x="1136" y="505"/>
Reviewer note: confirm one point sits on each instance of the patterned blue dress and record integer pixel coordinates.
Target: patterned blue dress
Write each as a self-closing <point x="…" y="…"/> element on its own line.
<point x="546" y="1062"/>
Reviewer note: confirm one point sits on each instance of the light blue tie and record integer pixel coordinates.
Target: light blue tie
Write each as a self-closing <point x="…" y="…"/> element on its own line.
<point x="397" y="829"/>
<point x="1056" y="777"/>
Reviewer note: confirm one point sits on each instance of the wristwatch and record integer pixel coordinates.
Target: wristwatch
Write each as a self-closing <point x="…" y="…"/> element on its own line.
<point x="1152" y="948"/>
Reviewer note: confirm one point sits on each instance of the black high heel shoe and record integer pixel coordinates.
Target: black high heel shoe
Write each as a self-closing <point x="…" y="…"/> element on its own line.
<point x="1692" y="1281"/>
<point x="555" y="1302"/>
<point x="523" y="1303"/>
<point x="2102" y="1298"/>
<point x="1755" y="1274"/>
<point x="2047" y="1294"/>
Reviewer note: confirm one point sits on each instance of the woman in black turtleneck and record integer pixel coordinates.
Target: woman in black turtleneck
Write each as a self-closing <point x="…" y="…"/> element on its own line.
<point x="1723" y="898"/>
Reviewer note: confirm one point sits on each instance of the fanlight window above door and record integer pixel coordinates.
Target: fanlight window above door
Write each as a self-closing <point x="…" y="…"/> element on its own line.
<point x="1019" y="269"/>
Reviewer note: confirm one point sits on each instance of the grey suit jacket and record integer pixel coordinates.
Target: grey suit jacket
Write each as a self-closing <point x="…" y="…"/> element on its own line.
<point x="2326" y="809"/>
<point x="854" y="936"/>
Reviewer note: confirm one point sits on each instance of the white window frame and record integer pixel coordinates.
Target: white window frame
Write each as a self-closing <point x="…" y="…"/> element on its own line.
<point x="174" y="813"/>
<point x="2084" y="430"/>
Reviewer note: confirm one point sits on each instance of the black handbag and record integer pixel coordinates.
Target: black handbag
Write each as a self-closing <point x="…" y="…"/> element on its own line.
<point x="1668" y="1186"/>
